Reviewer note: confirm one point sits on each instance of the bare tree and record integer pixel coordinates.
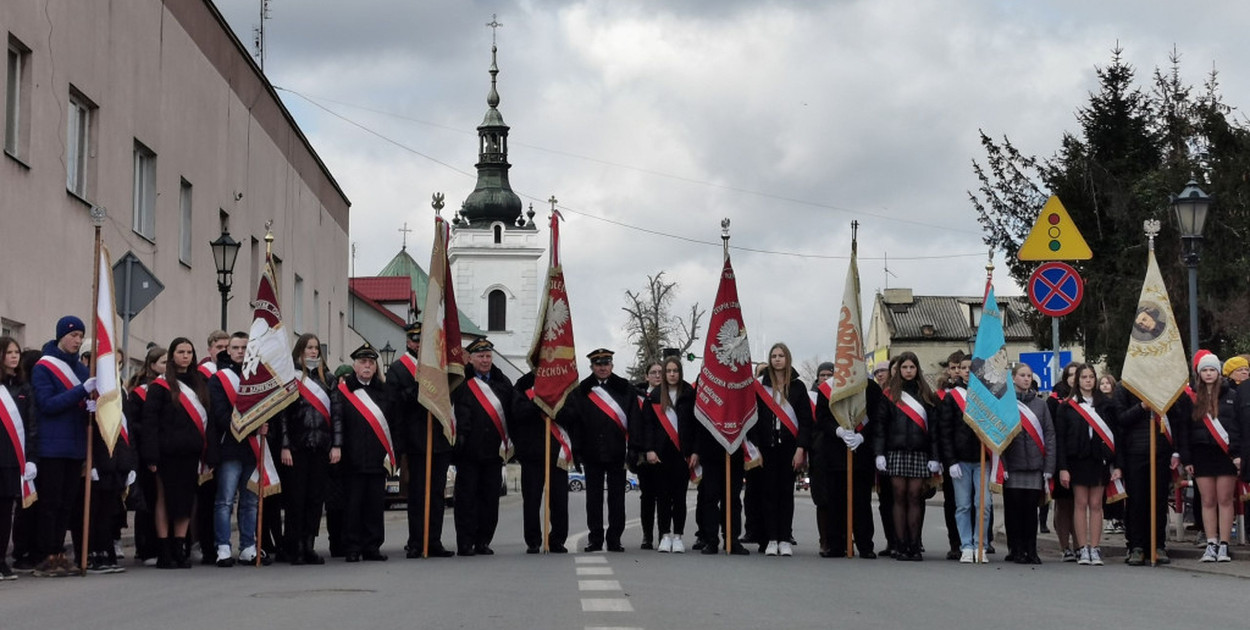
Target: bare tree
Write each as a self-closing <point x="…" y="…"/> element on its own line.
<point x="652" y="326"/>
<point x="808" y="368"/>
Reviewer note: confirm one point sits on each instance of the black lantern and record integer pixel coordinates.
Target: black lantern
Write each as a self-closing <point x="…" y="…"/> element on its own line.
<point x="225" y="253"/>
<point x="1191" y="207"/>
<point x="388" y="353"/>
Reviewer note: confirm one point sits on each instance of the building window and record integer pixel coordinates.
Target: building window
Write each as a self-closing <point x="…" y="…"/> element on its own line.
<point x="16" y="98"/>
<point x="184" y="223"/>
<point x="78" y="137"/>
<point x="316" y="327"/>
<point x="496" y="311"/>
<point x="498" y="234"/>
<point x="143" y="219"/>
<point x="299" y="304"/>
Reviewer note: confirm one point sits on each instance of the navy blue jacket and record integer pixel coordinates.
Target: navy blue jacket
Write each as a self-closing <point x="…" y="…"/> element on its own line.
<point x="62" y="412"/>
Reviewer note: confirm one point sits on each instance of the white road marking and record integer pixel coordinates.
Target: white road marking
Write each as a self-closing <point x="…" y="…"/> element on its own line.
<point x="607" y="605"/>
<point x="590" y="560"/>
<point x="598" y="585"/>
<point x="594" y="571"/>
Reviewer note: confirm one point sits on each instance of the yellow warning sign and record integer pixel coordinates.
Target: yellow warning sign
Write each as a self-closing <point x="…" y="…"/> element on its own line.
<point x="1054" y="236"/>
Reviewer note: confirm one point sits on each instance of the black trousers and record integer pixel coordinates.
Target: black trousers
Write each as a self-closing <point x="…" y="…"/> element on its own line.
<point x="1020" y="518"/>
<point x="145" y="519"/>
<point x="862" y="528"/>
<point x="648" y="496"/>
<point x="60" y="497"/>
<point x="672" y="479"/>
<point x="532" y="503"/>
<point x="776" y="487"/>
<point x="439" y="462"/>
<point x="363" y="530"/>
<point x="6" y="523"/>
<point x="753" y="506"/>
<point x="1137" y="508"/>
<point x="25" y="536"/>
<point x="104" y="502"/>
<point x="596" y="474"/>
<point x="885" y="508"/>
<point x="303" y="485"/>
<point x="477" y="502"/>
<point x="202" y="528"/>
<point x="948" y="512"/>
<point x="712" y="495"/>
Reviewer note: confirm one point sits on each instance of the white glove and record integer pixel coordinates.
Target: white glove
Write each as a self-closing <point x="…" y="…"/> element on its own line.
<point x="956" y="471"/>
<point x="130" y="478"/>
<point x="1005" y="475"/>
<point x="1046" y="476"/>
<point x="95" y="475"/>
<point x="934" y="467"/>
<point x="89" y="385"/>
<point x="881" y="463"/>
<point x="31" y="472"/>
<point x="91" y="406"/>
<point x="841" y="432"/>
<point x="853" y="440"/>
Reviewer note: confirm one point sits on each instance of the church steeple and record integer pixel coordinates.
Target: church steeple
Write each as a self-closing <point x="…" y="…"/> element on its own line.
<point x="492" y="199"/>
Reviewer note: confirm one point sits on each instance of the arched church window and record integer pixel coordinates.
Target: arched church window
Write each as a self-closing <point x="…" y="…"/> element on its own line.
<point x="498" y="234"/>
<point x="496" y="310"/>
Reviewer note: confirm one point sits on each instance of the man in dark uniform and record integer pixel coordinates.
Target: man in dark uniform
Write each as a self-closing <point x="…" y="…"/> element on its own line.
<point x="411" y="419"/>
<point x="606" y="407"/>
<point x="482" y="447"/>
<point x="528" y="430"/>
<point x="360" y="405"/>
<point x="830" y="442"/>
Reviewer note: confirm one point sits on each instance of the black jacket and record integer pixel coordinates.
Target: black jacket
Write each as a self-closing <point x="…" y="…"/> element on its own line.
<point x="1133" y="426"/>
<point x="652" y="436"/>
<point x="168" y="432"/>
<point x="959" y="443"/>
<point x="828" y="450"/>
<point x="527" y="427"/>
<point x="477" y="438"/>
<point x="362" y="452"/>
<point x="409" y="415"/>
<point x="597" y="437"/>
<point x="23" y="397"/>
<point x="768" y="432"/>
<point x="1196" y="432"/>
<point x="221" y="442"/>
<point x="1076" y="441"/>
<point x="898" y="432"/>
<point x="304" y="428"/>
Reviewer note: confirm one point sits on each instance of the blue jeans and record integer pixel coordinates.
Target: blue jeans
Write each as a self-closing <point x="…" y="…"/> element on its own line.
<point x="232" y="477"/>
<point x="967" y="492"/>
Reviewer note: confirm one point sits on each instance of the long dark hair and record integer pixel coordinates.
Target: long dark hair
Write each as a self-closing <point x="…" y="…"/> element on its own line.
<point x="18" y="373"/>
<point x="194" y="378"/>
<point x="780" y="385"/>
<point x="666" y="400"/>
<point x="147" y="373"/>
<point x="1097" y="396"/>
<point x="1206" y="398"/>
<point x="895" y="384"/>
<point x="1060" y="388"/>
<point x="297" y="354"/>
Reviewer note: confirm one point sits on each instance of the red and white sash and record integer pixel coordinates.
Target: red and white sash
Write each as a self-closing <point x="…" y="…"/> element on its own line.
<point x="264" y="480"/>
<point x="315" y="395"/>
<point x="811" y="399"/>
<point x="1095" y="421"/>
<point x="142" y="392"/>
<point x="230" y="383"/>
<point x="1033" y="426"/>
<point x="207" y="368"/>
<point x="1165" y="427"/>
<point x="409" y="363"/>
<point x="961" y="397"/>
<point x="564" y="458"/>
<point x="11" y="418"/>
<point x="913" y="409"/>
<point x="494" y="408"/>
<point x="751" y="455"/>
<point x="61" y="370"/>
<point x="195" y="409"/>
<point x="1217" y="431"/>
<point x="604" y="401"/>
<point x="826" y="388"/>
<point x="1115" y="491"/>
<point x="372" y="414"/>
<point x="783" y="409"/>
<point x="668" y="420"/>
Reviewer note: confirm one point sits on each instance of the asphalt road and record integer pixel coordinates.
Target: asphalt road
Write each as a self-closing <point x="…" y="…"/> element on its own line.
<point x="636" y="589"/>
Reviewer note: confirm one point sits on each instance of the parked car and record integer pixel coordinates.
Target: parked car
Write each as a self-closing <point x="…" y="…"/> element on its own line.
<point x="397" y="486"/>
<point x="803" y="482"/>
<point x="577" y="482"/>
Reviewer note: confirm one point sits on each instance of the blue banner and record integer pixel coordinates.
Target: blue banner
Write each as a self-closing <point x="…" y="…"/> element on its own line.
<point x="992" y="410"/>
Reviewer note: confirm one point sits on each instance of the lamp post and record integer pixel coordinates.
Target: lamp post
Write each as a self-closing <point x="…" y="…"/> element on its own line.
<point x="388" y="353"/>
<point x="225" y="252"/>
<point x="1191" y="207"/>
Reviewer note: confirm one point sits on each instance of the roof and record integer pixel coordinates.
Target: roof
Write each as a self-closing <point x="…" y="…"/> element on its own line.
<point x="382" y="289"/>
<point x="946" y="318"/>
<point x="403" y="266"/>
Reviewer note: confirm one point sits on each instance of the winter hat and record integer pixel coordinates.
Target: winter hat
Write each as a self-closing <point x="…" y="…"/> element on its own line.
<point x="67" y="325"/>
<point x="1206" y="359"/>
<point x="1235" y="363"/>
<point x="827" y="365"/>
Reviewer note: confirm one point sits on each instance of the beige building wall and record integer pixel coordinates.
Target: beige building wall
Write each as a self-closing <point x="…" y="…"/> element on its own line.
<point x="170" y="76"/>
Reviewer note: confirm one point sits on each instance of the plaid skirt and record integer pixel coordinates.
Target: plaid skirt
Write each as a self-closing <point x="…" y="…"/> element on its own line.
<point x="913" y="464"/>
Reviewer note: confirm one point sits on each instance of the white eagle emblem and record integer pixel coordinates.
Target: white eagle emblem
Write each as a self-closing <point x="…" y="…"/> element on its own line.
<point x="557" y="317"/>
<point x="731" y="349"/>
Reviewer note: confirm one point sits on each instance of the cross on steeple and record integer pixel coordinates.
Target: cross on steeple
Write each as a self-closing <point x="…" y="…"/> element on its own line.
<point x="404" y="230"/>
<point x="494" y="25"/>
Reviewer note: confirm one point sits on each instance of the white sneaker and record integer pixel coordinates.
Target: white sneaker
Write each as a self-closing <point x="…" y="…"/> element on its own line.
<point x="678" y="545"/>
<point x="1210" y="555"/>
<point x="666" y="543"/>
<point x="247" y="555"/>
<point x="117" y="550"/>
<point x="1083" y="557"/>
<point x="985" y="557"/>
<point x="784" y="548"/>
<point x="1095" y="556"/>
<point x="1222" y="554"/>
<point x="967" y="556"/>
<point x="223" y="552"/>
<point x="771" y="550"/>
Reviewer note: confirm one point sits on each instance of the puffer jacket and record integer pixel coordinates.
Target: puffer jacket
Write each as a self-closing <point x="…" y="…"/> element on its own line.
<point x="1023" y="454"/>
<point x="62" y="411"/>
<point x="898" y="432"/>
<point x="958" y="442"/>
<point x="304" y="428"/>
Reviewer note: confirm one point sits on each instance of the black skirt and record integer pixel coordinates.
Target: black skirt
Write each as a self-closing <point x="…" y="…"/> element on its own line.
<point x="1088" y="472"/>
<point x="1210" y="460"/>
<point x="180" y="476"/>
<point x="911" y="464"/>
<point x="10" y="486"/>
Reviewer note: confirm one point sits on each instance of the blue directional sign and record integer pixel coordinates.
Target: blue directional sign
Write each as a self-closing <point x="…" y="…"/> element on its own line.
<point x="1041" y="363"/>
<point x="1055" y="289"/>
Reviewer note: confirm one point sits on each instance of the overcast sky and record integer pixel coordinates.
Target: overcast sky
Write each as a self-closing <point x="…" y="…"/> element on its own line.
<point x="791" y="117"/>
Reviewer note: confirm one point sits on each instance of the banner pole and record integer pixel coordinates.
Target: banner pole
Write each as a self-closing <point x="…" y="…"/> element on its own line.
<point x="97" y="217"/>
<point x="981" y="513"/>
<point x="1154" y="495"/>
<point x="729" y="505"/>
<point x="429" y="465"/>
<point x="260" y="497"/>
<point x="546" y="482"/>
<point x="850" y="491"/>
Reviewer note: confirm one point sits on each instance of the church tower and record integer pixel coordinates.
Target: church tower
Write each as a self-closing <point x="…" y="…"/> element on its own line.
<point x="494" y="249"/>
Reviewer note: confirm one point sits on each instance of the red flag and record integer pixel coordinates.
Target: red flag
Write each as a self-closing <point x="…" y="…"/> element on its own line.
<point x="440" y="366"/>
<point x="725" y="396"/>
<point x="268" y="382"/>
<point x="552" y="356"/>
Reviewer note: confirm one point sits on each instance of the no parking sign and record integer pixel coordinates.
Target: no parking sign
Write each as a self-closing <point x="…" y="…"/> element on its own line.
<point x="1056" y="289"/>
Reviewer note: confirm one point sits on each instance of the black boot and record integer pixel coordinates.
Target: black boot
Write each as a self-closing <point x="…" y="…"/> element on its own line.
<point x="297" y="552"/>
<point x="164" y="554"/>
<point x="310" y="552"/>
<point x="822" y="528"/>
<point x="181" y="560"/>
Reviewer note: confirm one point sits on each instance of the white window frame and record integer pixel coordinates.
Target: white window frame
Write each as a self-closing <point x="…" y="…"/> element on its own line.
<point x="78" y="147"/>
<point x="185" y="221"/>
<point x="143" y="216"/>
<point x="17" y="98"/>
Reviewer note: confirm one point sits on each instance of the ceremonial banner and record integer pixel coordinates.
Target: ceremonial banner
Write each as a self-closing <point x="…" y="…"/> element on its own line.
<point x="991" y="408"/>
<point x="108" y="413"/>
<point x="268" y="382"/>
<point x="847" y="399"/>
<point x="440" y="366"/>
<point x="725" y="391"/>
<point x="1155" y="369"/>
<point x="552" y="356"/>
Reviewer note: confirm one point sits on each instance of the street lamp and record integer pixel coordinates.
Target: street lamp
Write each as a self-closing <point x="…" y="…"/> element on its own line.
<point x="1191" y="207"/>
<point x="388" y="353"/>
<point x="225" y="252"/>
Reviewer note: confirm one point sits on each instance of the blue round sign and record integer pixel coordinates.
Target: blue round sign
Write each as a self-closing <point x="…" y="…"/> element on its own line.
<point x="1056" y="289"/>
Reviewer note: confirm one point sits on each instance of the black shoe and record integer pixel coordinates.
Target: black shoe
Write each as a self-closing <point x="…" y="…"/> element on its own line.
<point x="373" y="555"/>
<point x="225" y="562"/>
<point x="1032" y="558"/>
<point x="532" y="549"/>
<point x="953" y="554"/>
<point x="466" y="551"/>
<point x="989" y="548"/>
<point x="484" y="550"/>
<point x="739" y="550"/>
<point x="412" y="554"/>
<point x="888" y="552"/>
<point x="593" y="547"/>
<point x="699" y="545"/>
<point x="557" y="549"/>
<point x="868" y="554"/>
<point x="441" y="552"/>
<point x="352" y="556"/>
<point x="707" y="550"/>
<point x="616" y="547"/>
<point x="1043" y="528"/>
<point x="646" y="545"/>
<point x="832" y="553"/>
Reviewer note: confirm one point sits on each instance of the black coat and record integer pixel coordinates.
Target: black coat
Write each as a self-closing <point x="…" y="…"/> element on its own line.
<point x="1133" y="426"/>
<point x="897" y="432"/>
<point x="477" y="438"/>
<point x="1074" y="435"/>
<point x="363" y="452"/>
<point x="1196" y="432"/>
<point x="597" y="437"/>
<point x="957" y="441"/>
<point x="769" y="432"/>
<point x="304" y="428"/>
<point x="168" y="432"/>
<point x="527" y="427"/>
<point x="23" y="397"/>
<point x="409" y="415"/>
<point x="221" y="442"/>
<point x="652" y="436"/>
<point x="828" y="450"/>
